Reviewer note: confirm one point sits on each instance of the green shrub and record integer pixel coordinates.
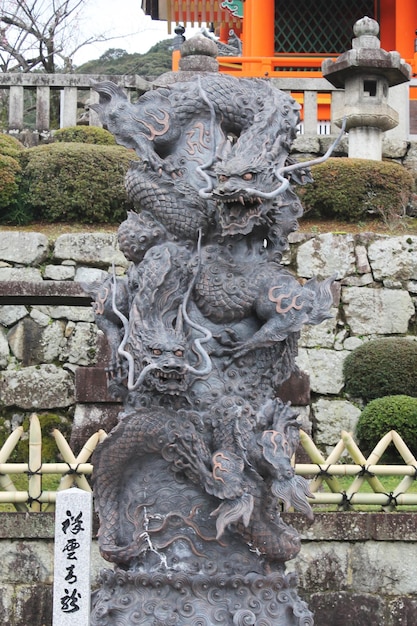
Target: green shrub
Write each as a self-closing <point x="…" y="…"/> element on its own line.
<point x="76" y="182"/>
<point x="382" y="367"/>
<point x="384" y="414"/>
<point x="85" y="134"/>
<point x="357" y="189"/>
<point x="10" y="173"/>
<point x="10" y="146"/>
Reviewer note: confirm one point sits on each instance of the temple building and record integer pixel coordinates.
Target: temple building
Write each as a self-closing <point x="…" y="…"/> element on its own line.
<point x="290" y="38"/>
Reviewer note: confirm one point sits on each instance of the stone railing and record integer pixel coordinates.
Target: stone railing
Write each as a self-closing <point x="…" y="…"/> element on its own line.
<point x="76" y="88"/>
<point x="76" y="94"/>
<point x="52" y="356"/>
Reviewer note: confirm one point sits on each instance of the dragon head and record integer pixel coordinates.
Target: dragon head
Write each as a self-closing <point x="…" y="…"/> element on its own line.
<point x="239" y="204"/>
<point x="166" y="358"/>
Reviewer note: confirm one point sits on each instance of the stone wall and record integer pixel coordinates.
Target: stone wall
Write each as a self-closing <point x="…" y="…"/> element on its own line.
<point x="375" y="295"/>
<point x="393" y="149"/>
<point x="52" y="357"/>
<point x="46" y="343"/>
<point x="354" y="569"/>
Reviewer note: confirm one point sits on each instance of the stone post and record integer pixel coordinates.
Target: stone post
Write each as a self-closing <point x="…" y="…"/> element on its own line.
<point x="93" y="118"/>
<point x="68" y="107"/>
<point x="43" y="108"/>
<point x="16" y="107"/>
<point x="310" y="113"/>
<point x="399" y="99"/>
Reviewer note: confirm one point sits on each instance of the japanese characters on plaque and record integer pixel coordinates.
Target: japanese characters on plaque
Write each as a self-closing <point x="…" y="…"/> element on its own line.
<point x="73" y="528"/>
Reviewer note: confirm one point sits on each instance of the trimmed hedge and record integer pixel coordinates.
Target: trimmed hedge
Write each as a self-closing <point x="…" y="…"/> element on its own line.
<point x="76" y="182"/>
<point x="10" y="172"/>
<point x="10" y="175"/>
<point x="397" y="412"/>
<point x="356" y="189"/>
<point x="10" y="146"/>
<point x="382" y="367"/>
<point x="85" y="134"/>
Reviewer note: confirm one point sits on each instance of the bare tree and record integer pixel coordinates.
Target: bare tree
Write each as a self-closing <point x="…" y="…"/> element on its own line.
<point x="40" y="34"/>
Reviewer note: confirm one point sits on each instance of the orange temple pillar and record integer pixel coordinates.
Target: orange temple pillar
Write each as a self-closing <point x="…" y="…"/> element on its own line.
<point x="398" y="22"/>
<point x="258" y="28"/>
<point x="405" y="27"/>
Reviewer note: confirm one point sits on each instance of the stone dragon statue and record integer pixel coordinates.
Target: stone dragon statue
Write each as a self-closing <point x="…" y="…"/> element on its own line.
<point x="203" y="329"/>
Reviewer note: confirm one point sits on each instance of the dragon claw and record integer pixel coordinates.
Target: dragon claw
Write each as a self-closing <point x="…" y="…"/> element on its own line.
<point x="231" y="511"/>
<point x="227" y="338"/>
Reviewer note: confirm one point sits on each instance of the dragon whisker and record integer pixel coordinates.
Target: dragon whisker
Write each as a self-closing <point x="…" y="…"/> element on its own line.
<point x="207" y="334"/>
<point x="131" y="385"/>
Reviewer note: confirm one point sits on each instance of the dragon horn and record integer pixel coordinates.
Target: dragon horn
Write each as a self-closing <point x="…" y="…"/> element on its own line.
<point x="131" y="384"/>
<point x="109" y="93"/>
<point x="179" y="321"/>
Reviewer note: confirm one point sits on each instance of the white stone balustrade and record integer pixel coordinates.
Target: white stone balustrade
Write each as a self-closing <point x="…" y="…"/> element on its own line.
<point x="77" y="88"/>
<point x="73" y="89"/>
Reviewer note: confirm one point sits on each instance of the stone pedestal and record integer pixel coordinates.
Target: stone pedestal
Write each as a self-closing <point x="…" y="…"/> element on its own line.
<point x="187" y="576"/>
<point x="174" y="600"/>
<point x="365" y="143"/>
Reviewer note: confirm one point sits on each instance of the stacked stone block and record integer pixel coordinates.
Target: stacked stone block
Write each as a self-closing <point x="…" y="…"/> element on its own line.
<point x="47" y="350"/>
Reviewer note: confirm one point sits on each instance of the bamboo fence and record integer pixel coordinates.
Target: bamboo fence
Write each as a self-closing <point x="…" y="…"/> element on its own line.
<point x="73" y="469"/>
<point x="324" y="473"/>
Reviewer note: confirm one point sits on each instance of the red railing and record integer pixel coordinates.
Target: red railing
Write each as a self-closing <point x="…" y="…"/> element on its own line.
<point x="278" y="66"/>
<point x="284" y="65"/>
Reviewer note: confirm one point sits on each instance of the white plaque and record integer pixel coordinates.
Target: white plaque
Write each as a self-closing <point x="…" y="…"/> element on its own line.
<point x="72" y="562"/>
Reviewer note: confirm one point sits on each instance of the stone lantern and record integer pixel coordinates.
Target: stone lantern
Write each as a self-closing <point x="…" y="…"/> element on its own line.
<point x="366" y="72"/>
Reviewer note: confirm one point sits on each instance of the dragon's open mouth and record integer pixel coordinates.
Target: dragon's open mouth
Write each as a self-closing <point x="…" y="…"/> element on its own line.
<point x="238" y="215"/>
<point x="168" y="381"/>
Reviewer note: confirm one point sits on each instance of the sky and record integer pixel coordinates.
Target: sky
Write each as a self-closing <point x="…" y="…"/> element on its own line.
<point x="123" y="19"/>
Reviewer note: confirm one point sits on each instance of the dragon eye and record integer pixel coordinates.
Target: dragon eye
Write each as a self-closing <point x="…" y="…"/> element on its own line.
<point x="223" y="178"/>
<point x="156" y="351"/>
<point x="247" y="176"/>
<point x="179" y="352"/>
